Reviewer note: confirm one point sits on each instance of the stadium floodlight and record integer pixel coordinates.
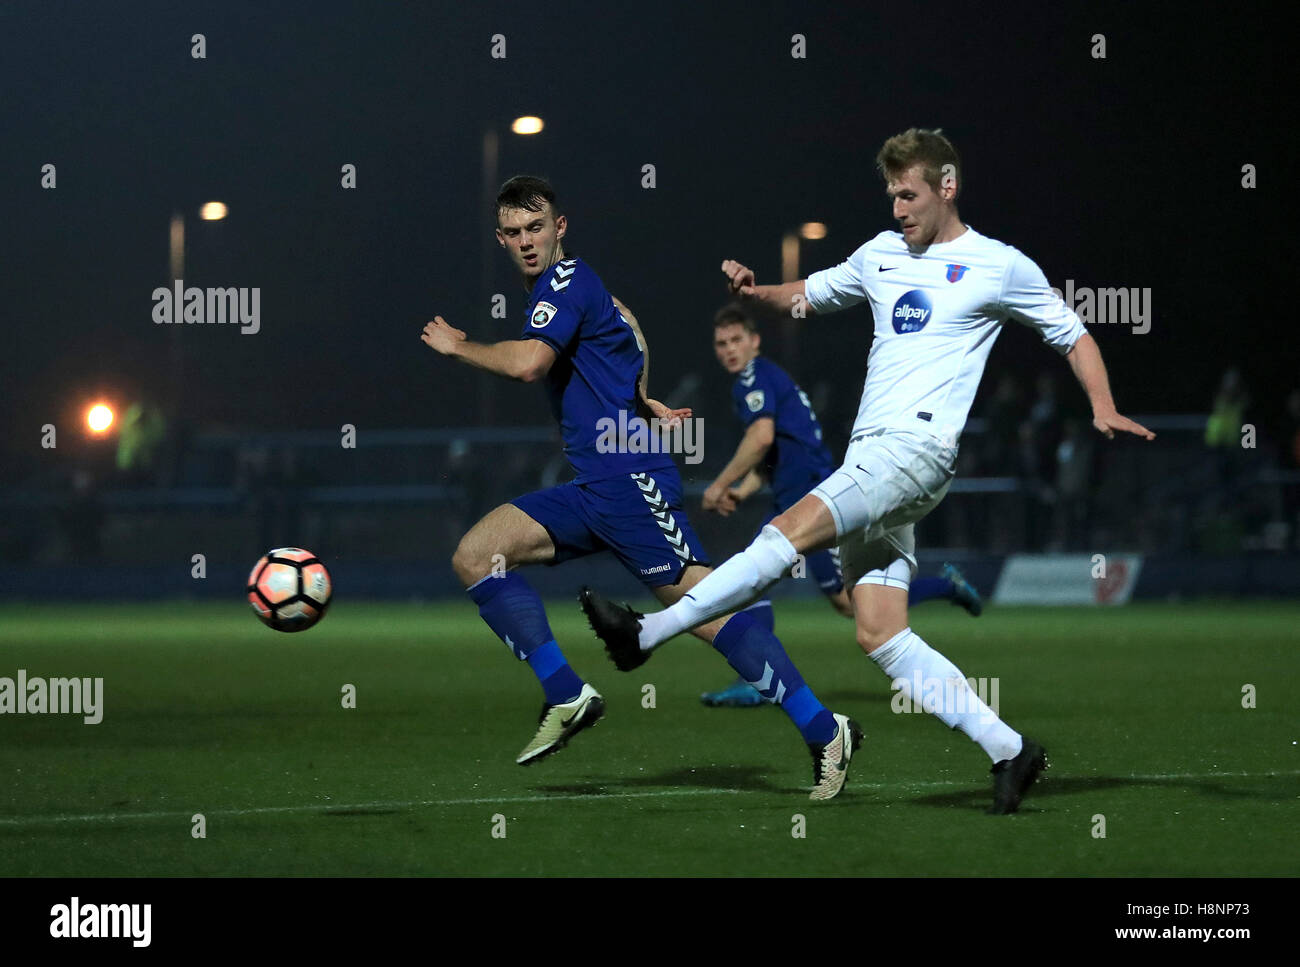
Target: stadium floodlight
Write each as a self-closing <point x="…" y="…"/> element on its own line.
<point x="213" y="211"/>
<point x="527" y="125"/>
<point x="99" y="418"/>
<point x="813" y="231"/>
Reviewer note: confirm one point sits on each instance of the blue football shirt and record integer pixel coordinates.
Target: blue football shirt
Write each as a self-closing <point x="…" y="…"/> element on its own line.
<point x="797" y="460"/>
<point x="593" y="384"/>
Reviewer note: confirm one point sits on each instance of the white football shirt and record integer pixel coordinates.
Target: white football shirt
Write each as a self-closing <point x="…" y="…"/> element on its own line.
<point x="937" y="313"/>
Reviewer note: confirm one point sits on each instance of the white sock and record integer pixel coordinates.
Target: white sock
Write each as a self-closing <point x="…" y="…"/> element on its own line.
<point x="738" y="581"/>
<point x="936" y="685"/>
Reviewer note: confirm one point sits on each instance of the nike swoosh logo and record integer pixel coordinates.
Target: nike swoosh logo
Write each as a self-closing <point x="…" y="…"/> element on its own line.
<point x="883" y="269"/>
<point x="565" y="723"/>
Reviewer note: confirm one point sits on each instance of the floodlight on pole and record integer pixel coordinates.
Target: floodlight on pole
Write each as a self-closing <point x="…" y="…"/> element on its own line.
<point x="528" y="124"/>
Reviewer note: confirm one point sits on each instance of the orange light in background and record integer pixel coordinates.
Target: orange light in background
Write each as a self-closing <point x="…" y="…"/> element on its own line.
<point x="527" y="125"/>
<point x="213" y="211"/>
<point x="99" y="418"/>
<point x="813" y="230"/>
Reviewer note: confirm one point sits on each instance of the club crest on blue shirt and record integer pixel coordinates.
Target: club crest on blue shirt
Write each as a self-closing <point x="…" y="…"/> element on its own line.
<point x="755" y="400"/>
<point x="543" y="312"/>
<point x="955" y="272"/>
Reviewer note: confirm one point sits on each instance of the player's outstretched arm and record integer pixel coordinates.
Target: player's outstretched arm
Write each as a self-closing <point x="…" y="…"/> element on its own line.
<point x="1085" y="360"/>
<point x="740" y="280"/>
<point x="526" y="360"/>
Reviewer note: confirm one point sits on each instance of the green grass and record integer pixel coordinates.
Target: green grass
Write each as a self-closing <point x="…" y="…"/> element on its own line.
<point x="205" y="711"/>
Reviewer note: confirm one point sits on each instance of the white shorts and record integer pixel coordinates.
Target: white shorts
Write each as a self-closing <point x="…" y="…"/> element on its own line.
<point x="889" y="481"/>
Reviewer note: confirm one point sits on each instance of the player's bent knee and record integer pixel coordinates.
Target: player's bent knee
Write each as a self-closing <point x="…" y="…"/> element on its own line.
<point x="872" y="635"/>
<point x="470" y="561"/>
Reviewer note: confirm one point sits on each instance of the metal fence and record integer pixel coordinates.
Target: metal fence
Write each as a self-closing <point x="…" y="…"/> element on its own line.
<point x="410" y="494"/>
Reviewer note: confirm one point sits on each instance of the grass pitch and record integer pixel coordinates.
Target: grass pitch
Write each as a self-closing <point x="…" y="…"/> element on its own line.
<point x="207" y="712"/>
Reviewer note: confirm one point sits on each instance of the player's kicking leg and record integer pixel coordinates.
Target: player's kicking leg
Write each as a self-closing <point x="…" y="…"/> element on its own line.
<point x="503" y="539"/>
<point x="880" y="598"/>
<point x="732" y="586"/>
<point x="751" y="648"/>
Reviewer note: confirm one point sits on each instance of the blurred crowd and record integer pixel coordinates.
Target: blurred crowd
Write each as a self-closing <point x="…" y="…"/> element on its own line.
<point x="1033" y="475"/>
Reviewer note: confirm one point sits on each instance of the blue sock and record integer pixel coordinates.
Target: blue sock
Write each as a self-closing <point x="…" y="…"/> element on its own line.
<point x="513" y="610"/>
<point x="759" y="657"/>
<point x="926" y="589"/>
<point x="763" y="614"/>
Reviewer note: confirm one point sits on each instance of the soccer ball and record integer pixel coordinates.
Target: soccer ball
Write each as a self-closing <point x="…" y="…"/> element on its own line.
<point x="289" y="589"/>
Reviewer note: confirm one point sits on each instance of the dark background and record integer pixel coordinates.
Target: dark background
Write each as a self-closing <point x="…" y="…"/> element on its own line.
<point x="1117" y="172"/>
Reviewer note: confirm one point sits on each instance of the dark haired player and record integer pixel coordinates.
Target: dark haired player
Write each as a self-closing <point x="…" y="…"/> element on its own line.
<point x="783" y="444"/>
<point x="594" y="361"/>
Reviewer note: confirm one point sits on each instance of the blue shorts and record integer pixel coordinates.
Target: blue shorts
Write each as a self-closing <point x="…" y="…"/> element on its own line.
<point x="638" y="516"/>
<point x="824" y="566"/>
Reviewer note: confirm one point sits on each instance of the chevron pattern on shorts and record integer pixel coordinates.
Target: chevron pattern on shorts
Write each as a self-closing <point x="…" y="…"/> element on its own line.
<point x="663" y="516"/>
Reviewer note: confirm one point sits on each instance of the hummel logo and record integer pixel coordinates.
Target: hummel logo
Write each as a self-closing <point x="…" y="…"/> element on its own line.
<point x="883" y="269"/>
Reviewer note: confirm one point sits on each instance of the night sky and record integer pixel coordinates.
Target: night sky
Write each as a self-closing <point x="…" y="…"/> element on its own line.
<point x="1117" y="172"/>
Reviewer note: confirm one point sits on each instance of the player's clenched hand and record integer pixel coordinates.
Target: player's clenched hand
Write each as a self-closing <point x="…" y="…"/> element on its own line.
<point x="739" y="278"/>
<point x="719" y="499"/>
<point x="1108" y="423"/>
<point x="441" y="336"/>
<point x="668" y="416"/>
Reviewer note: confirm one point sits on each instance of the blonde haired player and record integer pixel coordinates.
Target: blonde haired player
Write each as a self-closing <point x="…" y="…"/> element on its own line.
<point x="940" y="293"/>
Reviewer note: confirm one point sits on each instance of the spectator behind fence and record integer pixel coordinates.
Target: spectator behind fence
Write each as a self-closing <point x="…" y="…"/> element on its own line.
<point x="1223" y="435"/>
<point x="1074" y="458"/>
<point x="1005" y="413"/>
<point x="1223" y="428"/>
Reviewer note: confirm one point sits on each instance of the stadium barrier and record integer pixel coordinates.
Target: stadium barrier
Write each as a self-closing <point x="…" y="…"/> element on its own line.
<point x="1147" y="577"/>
